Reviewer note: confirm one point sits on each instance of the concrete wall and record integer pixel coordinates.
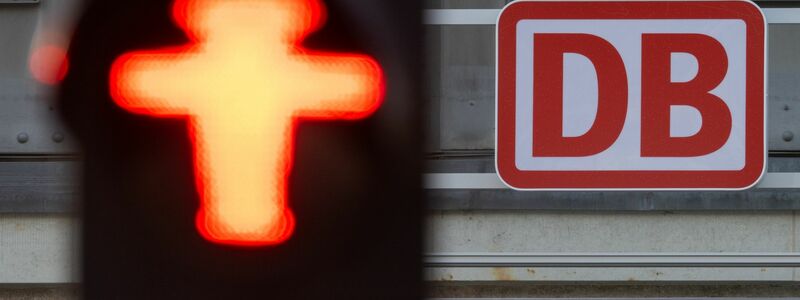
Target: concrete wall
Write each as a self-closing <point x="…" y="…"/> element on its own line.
<point x="38" y="257"/>
<point x="37" y="249"/>
<point x="38" y="253"/>
<point x="574" y="232"/>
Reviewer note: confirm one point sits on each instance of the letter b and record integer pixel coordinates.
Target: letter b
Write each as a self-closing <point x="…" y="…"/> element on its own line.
<point x="659" y="93"/>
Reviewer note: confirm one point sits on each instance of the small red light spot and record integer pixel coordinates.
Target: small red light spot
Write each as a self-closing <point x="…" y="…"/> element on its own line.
<point x="49" y="64"/>
<point x="243" y="82"/>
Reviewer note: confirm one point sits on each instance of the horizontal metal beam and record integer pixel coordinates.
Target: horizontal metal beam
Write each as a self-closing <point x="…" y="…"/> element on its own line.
<point x="51" y="186"/>
<point x="489" y="16"/>
<point x="460" y="16"/>
<point x="18" y="1"/>
<point x="42" y="186"/>
<point x="626" y="260"/>
<point x="492" y="181"/>
<point x="438" y="181"/>
<point x="782" y="15"/>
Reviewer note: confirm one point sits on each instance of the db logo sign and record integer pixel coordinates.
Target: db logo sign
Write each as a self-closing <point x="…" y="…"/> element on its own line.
<point x="631" y="95"/>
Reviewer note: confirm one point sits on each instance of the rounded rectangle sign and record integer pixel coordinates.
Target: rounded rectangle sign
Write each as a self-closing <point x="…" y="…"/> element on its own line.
<point x="631" y="95"/>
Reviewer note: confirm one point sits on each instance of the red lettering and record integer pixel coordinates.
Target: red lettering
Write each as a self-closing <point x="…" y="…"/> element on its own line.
<point x="659" y="93"/>
<point x="548" y="107"/>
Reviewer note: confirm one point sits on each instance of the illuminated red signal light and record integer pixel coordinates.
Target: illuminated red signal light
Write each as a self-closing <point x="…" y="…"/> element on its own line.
<point x="243" y="83"/>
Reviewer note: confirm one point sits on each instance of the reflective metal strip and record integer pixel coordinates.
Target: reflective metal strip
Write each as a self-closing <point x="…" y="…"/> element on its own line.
<point x="492" y="181"/>
<point x="779" y="181"/>
<point x="460" y="16"/>
<point x="488" y="259"/>
<point x="782" y="15"/>
<point x="489" y="16"/>
<point x="463" y="181"/>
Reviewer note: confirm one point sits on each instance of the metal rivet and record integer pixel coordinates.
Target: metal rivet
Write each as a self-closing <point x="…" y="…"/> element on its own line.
<point x="58" y="137"/>
<point x="22" y="138"/>
<point x="788" y="136"/>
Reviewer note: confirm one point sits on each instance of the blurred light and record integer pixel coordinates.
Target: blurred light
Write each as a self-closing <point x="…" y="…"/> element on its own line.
<point x="243" y="83"/>
<point x="49" y="64"/>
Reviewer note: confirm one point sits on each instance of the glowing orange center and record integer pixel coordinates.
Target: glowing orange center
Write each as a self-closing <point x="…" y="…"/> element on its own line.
<point x="243" y="82"/>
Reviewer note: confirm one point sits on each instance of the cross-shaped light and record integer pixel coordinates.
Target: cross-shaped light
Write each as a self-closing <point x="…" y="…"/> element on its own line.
<point x="243" y="83"/>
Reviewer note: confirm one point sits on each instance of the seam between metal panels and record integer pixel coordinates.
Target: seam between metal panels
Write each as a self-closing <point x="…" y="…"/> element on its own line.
<point x="622" y="260"/>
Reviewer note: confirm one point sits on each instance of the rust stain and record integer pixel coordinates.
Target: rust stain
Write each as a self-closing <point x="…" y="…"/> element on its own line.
<point x="502" y="274"/>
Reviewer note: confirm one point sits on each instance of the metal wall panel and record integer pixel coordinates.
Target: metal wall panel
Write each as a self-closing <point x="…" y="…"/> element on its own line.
<point x="460" y="80"/>
<point x="465" y="87"/>
<point x="782" y="87"/>
<point x="463" y="57"/>
<point x="29" y="122"/>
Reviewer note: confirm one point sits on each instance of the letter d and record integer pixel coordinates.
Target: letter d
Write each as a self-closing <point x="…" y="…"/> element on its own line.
<point x="548" y="102"/>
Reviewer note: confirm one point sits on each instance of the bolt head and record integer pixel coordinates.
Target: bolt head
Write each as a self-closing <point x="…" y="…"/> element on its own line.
<point x="787" y="135"/>
<point x="58" y="137"/>
<point x="22" y="138"/>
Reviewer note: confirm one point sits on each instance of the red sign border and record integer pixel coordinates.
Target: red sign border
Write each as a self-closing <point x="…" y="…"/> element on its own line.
<point x="755" y="102"/>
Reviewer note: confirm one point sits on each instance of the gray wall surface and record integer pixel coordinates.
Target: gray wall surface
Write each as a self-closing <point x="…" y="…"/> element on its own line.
<point x="461" y="140"/>
<point x="461" y="87"/>
<point x="38" y="239"/>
